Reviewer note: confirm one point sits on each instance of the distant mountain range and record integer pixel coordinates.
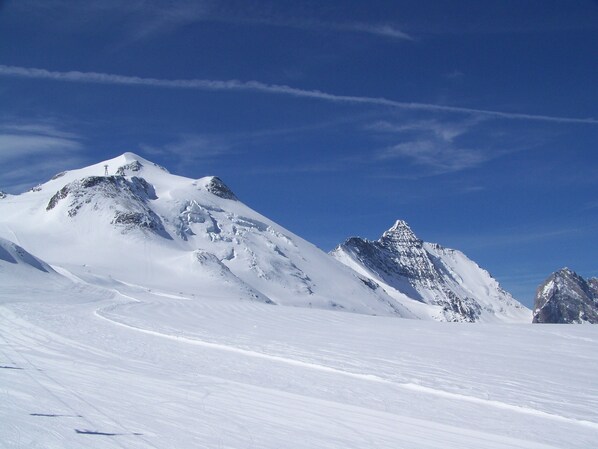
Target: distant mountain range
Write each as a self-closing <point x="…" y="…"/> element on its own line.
<point x="130" y="219"/>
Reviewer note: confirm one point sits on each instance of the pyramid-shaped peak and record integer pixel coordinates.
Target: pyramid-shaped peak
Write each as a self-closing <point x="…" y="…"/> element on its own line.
<point x="400" y="225"/>
<point x="400" y="234"/>
<point x="400" y="228"/>
<point x="566" y="272"/>
<point x="568" y="275"/>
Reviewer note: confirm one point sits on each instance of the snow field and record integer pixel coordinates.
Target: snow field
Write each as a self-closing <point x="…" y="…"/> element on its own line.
<point x="119" y="366"/>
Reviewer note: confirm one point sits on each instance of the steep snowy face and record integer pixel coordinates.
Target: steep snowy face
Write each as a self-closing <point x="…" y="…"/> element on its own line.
<point x="20" y="268"/>
<point x="448" y="286"/>
<point x="11" y="253"/>
<point x="132" y="220"/>
<point x="566" y="297"/>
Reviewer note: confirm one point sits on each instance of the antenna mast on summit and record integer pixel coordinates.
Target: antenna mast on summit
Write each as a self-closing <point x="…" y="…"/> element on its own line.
<point x="105" y="170"/>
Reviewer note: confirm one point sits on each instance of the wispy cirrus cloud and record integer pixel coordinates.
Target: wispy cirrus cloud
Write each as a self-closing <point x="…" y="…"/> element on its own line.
<point x="31" y="139"/>
<point x="191" y="147"/>
<point x="141" y="18"/>
<point x="148" y="18"/>
<point x="257" y="86"/>
<point x="433" y="145"/>
<point x="34" y="150"/>
<point x="439" y="157"/>
<point x="384" y="30"/>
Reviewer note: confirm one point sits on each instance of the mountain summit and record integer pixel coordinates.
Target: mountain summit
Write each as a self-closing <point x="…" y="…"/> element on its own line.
<point x="430" y="280"/>
<point x="131" y="220"/>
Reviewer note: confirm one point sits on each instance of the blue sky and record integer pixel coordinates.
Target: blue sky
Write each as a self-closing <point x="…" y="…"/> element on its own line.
<point x="475" y="121"/>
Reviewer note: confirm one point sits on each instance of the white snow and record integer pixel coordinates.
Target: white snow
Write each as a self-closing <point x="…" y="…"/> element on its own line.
<point x="98" y="363"/>
<point x="548" y="288"/>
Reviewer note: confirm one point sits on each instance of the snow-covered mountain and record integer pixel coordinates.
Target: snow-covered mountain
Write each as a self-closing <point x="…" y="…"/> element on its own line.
<point x="566" y="297"/>
<point x="129" y="219"/>
<point x="430" y="280"/>
<point x="131" y="334"/>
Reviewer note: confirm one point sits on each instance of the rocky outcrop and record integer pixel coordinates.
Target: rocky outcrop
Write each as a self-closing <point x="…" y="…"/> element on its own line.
<point x="125" y="199"/>
<point x="220" y="189"/>
<point x="566" y="297"/>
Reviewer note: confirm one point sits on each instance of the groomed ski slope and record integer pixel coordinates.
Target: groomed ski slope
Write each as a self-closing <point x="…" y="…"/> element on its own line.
<point x="89" y="362"/>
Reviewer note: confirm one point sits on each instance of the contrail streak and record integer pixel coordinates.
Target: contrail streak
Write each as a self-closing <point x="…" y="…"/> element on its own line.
<point x="257" y="86"/>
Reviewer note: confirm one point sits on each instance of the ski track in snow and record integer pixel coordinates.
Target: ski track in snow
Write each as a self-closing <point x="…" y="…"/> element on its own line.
<point x="413" y="433"/>
<point x="360" y="376"/>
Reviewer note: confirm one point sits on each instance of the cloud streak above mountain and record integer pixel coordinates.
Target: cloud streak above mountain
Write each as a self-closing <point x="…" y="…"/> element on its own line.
<point x="257" y="86"/>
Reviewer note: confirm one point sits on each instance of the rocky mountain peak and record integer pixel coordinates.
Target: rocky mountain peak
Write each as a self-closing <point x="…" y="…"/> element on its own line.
<point x="566" y="297"/>
<point x="453" y="286"/>
<point x="400" y="235"/>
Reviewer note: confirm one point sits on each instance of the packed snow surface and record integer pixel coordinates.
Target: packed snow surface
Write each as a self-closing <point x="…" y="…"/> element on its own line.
<point x="91" y="362"/>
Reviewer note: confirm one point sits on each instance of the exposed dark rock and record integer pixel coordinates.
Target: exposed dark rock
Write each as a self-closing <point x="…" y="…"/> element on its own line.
<point x="131" y="167"/>
<point x="147" y="220"/>
<point x="218" y="188"/>
<point x="2" y="195"/>
<point x="566" y="297"/>
<point x="465" y="307"/>
<point x="128" y="197"/>
<point x="143" y="188"/>
<point x="107" y="186"/>
<point x="60" y="195"/>
<point x="58" y="175"/>
<point x="369" y="283"/>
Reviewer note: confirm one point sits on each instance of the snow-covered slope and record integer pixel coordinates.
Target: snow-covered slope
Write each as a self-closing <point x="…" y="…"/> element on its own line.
<point x="132" y="220"/>
<point x="120" y="367"/>
<point x="18" y="267"/>
<point x="566" y="297"/>
<point x="430" y="280"/>
<point x="14" y="258"/>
